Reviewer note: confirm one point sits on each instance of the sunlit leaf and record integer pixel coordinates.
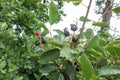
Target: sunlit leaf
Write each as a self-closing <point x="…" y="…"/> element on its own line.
<point x="68" y="52"/>
<point x="65" y="52"/>
<point x="99" y="24"/>
<point x="2" y="64"/>
<point x="68" y="1"/>
<point x="93" y="52"/>
<point x="95" y="78"/>
<point x="109" y="70"/>
<point x="93" y="42"/>
<point x="77" y="2"/>
<point x="82" y="18"/>
<point x="18" y="78"/>
<point x="53" y="13"/>
<point x="56" y="43"/>
<point x="88" y="33"/>
<point x="59" y="32"/>
<point x="116" y="10"/>
<point x="87" y="68"/>
<point x="114" y="50"/>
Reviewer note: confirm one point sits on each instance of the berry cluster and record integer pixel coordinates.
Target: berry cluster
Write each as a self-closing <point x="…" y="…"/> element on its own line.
<point x="73" y="28"/>
<point x="77" y="67"/>
<point x="37" y="42"/>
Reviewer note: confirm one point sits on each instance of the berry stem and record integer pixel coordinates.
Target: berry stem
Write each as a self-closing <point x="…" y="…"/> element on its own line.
<point x="83" y="26"/>
<point x="50" y="32"/>
<point x="66" y="77"/>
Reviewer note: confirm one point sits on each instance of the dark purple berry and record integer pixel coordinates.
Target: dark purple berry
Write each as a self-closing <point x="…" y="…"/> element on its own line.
<point x="74" y="27"/>
<point x="75" y="63"/>
<point x="43" y="41"/>
<point x="37" y="42"/>
<point x="78" y="68"/>
<point x="66" y="32"/>
<point x="74" y="39"/>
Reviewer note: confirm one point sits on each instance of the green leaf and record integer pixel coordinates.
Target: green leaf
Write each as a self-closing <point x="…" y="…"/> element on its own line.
<point x="95" y="78"/>
<point x="93" y="52"/>
<point x="102" y="42"/>
<point x="114" y="50"/>
<point x="69" y="69"/>
<point x="59" y="32"/>
<point x="87" y="68"/>
<point x="67" y="52"/>
<point x="88" y="33"/>
<point x="109" y="70"/>
<point x="100" y="50"/>
<point x="59" y="38"/>
<point x="116" y="10"/>
<point x="93" y="42"/>
<point x="99" y="24"/>
<point x="37" y="77"/>
<point x="82" y="18"/>
<point x="56" y="43"/>
<point x="77" y="2"/>
<point x="49" y="56"/>
<point x="18" y="78"/>
<point x="2" y="64"/>
<point x="46" y="68"/>
<point x="96" y="51"/>
<point x="53" y="13"/>
<point x="45" y="29"/>
<point x="68" y="1"/>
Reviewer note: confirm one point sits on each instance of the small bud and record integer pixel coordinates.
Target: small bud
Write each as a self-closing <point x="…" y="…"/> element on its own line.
<point x="37" y="33"/>
<point x="37" y="42"/>
<point x="66" y="32"/>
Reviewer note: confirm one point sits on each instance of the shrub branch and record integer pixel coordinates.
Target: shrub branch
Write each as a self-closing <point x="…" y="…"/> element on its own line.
<point x="83" y="26"/>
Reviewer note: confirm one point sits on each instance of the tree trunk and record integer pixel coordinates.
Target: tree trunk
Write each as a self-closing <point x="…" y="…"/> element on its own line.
<point x="107" y="14"/>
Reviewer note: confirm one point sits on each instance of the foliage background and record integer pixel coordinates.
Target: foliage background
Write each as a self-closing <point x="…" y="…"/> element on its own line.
<point x="92" y="57"/>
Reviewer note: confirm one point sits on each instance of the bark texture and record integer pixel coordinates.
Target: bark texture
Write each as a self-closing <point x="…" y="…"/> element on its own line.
<point x="107" y="14"/>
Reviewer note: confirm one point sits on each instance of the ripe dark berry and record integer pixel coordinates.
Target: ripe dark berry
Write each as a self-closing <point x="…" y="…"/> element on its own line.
<point x="74" y="39"/>
<point x="77" y="68"/>
<point x="75" y="63"/>
<point x="74" y="27"/>
<point x="37" y="33"/>
<point x="37" y="42"/>
<point x="43" y="41"/>
<point x="66" y="32"/>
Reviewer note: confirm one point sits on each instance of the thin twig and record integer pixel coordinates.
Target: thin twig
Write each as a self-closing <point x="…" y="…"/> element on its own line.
<point x="84" y="5"/>
<point x="50" y="32"/>
<point x="94" y="27"/>
<point x="65" y="75"/>
<point x="83" y="26"/>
